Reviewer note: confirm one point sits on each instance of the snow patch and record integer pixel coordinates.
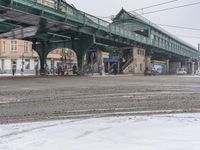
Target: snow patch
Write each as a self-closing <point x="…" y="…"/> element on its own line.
<point x="154" y="132"/>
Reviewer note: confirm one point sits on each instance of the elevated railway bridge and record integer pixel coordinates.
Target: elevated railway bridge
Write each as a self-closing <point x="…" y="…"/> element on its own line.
<point x="52" y="24"/>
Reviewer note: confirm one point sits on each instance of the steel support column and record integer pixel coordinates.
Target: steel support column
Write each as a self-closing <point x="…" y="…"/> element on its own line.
<point x="42" y="49"/>
<point x="80" y="46"/>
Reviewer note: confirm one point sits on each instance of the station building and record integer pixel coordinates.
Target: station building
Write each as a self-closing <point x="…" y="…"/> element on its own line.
<point x="138" y="58"/>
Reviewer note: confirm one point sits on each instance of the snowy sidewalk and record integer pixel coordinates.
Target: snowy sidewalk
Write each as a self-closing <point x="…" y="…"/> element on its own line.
<point x="18" y="75"/>
<point x="158" y="132"/>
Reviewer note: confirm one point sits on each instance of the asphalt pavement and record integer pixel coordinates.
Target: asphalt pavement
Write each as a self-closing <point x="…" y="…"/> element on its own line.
<point x="57" y="97"/>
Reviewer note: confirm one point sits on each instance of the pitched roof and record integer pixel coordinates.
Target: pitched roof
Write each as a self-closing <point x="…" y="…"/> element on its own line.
<point x="136" y="16"/>
<point x="133" y="15"/>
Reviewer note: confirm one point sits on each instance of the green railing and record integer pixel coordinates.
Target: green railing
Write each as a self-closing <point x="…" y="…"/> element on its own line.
<point x="78" y="16"/>
<point x="67" y="13"/>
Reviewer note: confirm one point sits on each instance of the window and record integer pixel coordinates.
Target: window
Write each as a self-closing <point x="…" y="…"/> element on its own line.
<point x="13" y="45"/>
<point x="27" y="64"/>
<point x="142" y="52"/>
<point x="26" y="47"/>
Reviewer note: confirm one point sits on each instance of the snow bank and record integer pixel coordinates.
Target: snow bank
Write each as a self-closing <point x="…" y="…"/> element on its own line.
<point x="158" y="132"/>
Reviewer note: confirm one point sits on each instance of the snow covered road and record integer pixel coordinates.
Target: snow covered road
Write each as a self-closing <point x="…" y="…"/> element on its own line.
<point x="153" y="132"/>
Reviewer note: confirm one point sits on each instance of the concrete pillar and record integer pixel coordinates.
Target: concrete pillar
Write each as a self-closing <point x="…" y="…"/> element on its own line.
<point x="189" y="68"/>
<point x="148" y="62"/>
<point x="193" y="68"/>
<point x="102" y="67"/>
<point x="167" y="66"/>
<point x="198" y="65"/>
<point x="118" y="67"/>
<point x="108" y="67"/>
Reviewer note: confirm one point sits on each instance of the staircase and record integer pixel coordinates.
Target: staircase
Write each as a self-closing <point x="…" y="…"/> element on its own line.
<point x="128" y="67"/>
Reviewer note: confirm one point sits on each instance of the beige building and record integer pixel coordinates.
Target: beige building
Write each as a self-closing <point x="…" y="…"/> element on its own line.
<point x="19" y="55"/>
<point x="139" y="60"/>
<point x="138" y="63"/>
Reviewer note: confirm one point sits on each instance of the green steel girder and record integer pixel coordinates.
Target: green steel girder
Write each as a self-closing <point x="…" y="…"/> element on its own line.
<point x="50" y="37"/>
<point x="80" y="46"/>
<point x="187" y="53"/>
<point x="94" y="25"/>
<point x="43" y="11"/>
<point x="78" y="19"/>
<point x="154" y="31"/>
<point x="103" y="47"/>
<point x="43" y="49"/>
<point x="52" y="46"/>
<point x="4" y="2"/>
<point x="175" y="47"/>
<point x="5" y="27"/>
<point x="166" y="54"/>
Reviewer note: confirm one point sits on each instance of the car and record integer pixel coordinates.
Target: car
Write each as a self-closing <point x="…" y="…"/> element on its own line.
<point x="197" y="72"/>
<point x="181" y="71"/>
<point x="153" y="71"/>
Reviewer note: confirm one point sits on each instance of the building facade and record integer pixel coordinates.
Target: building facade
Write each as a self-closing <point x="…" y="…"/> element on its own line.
<point x="136" y="61"/>
<point x="18" y="55"/>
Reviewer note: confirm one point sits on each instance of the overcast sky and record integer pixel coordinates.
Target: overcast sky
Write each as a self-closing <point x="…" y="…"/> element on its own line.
<point x="187" y="16"/>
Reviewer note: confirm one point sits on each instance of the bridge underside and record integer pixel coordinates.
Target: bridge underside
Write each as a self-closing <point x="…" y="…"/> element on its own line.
<point x="48" y="33"/>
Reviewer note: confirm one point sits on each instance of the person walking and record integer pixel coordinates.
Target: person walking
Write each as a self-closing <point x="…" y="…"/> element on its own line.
<point x="22" y="71"/>
<point x="74" y="69"/>
<point x="13" y="70"/>
<point x="115" y="69"/>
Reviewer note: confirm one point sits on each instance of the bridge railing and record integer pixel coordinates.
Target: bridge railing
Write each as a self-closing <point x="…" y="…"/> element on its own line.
<point x="113" y="29"/>
<point x="50" y="10"/>
<point x="71" y="13"/>
<point x="92" y="21"/>
<point x="81" y="17"/>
